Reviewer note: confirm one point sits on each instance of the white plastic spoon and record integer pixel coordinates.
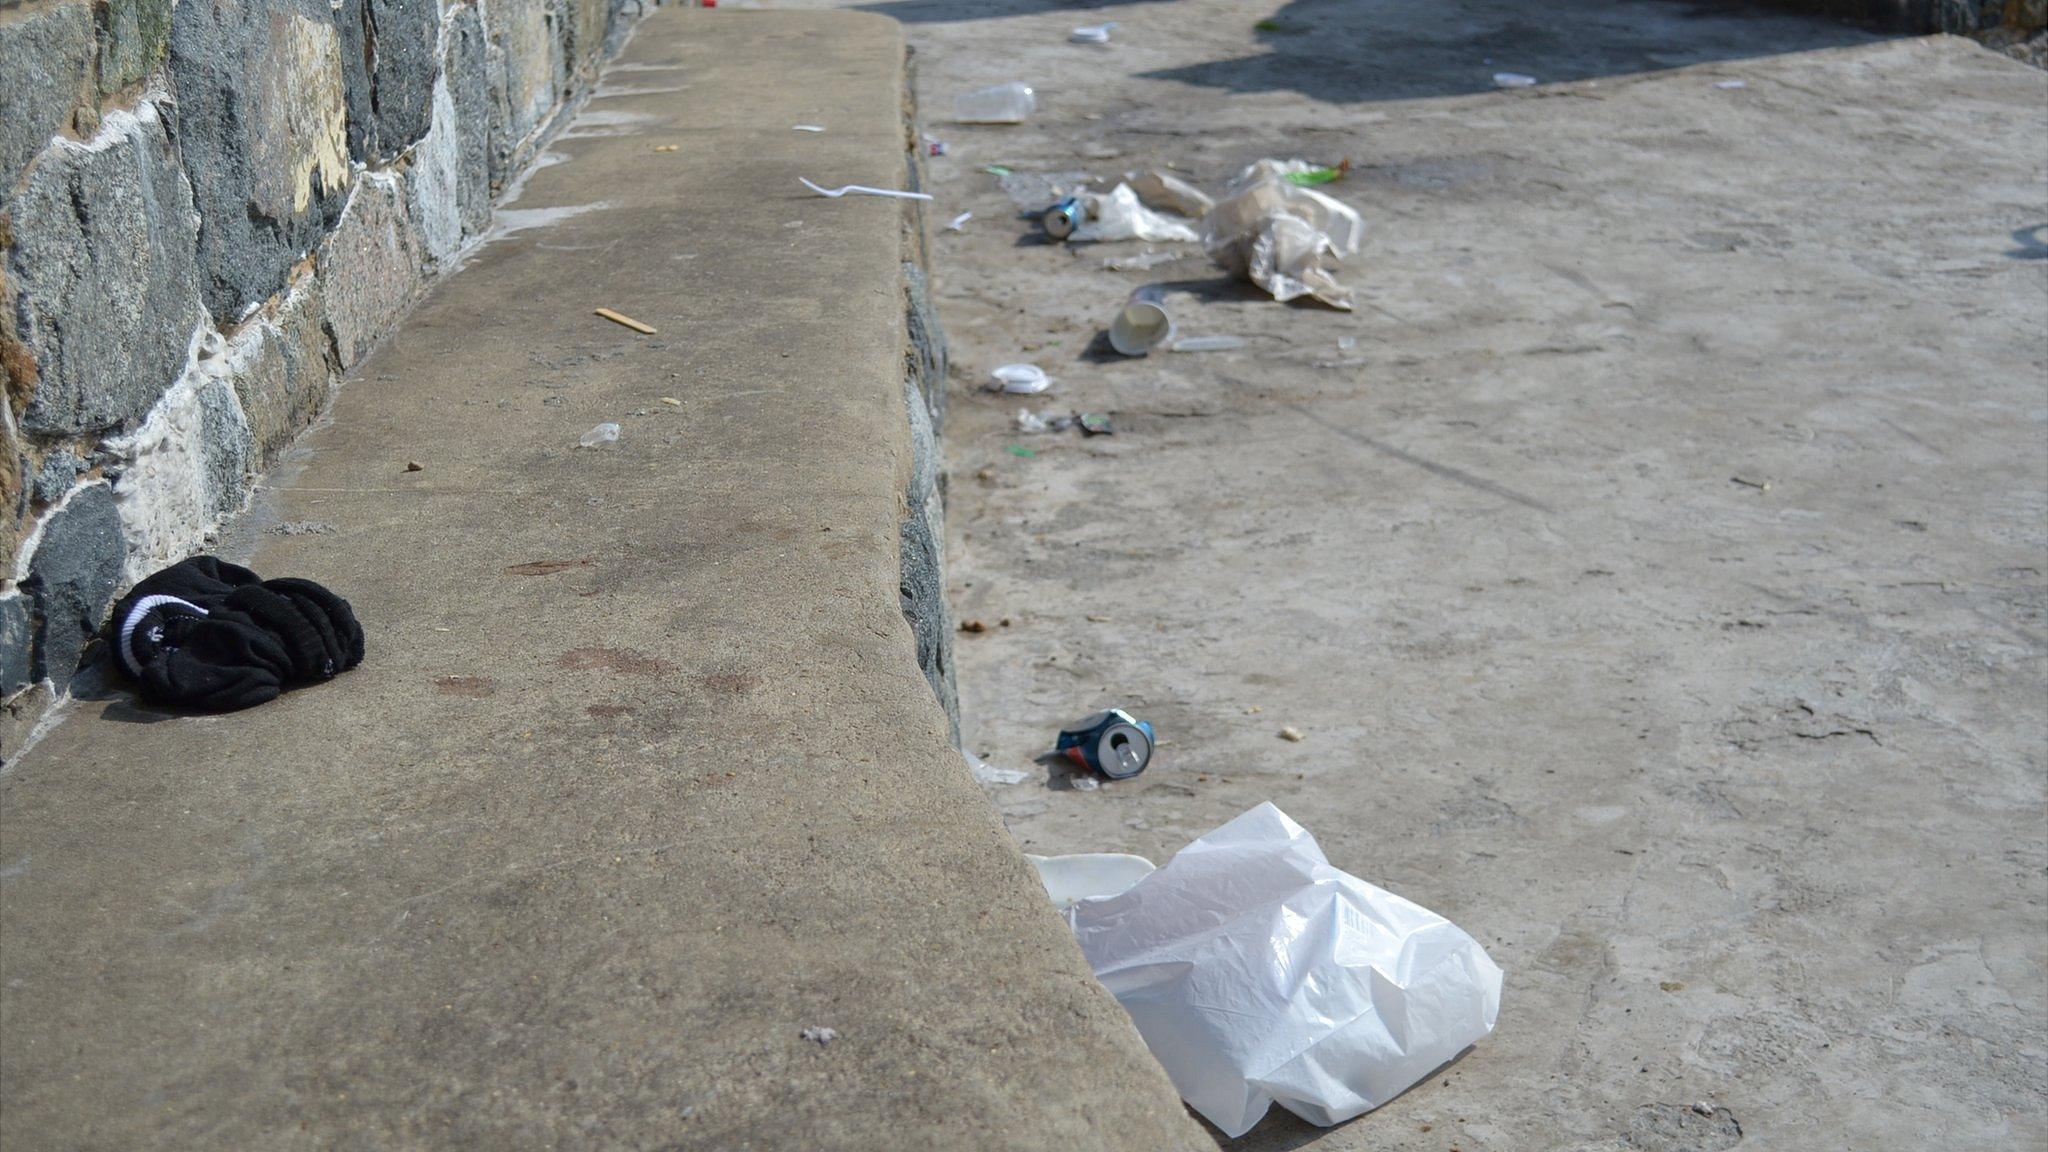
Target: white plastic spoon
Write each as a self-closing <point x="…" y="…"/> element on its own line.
<point x="863" y="190"/>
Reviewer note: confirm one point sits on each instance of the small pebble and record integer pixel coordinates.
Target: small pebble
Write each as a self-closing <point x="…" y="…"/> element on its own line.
<point x="1292" y="735"/>
<point x="821" y="1036"/>
<point x="973" y="626"/>
<point x="415" y="466"/>
<point x="1703" y="1108"/>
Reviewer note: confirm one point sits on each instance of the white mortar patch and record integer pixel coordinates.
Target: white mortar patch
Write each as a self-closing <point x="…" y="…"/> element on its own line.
<point x="115" y="126"/>
<point x="25" y="552"/>
<point x="435" y="175"/>
<point x="163" y="496"/>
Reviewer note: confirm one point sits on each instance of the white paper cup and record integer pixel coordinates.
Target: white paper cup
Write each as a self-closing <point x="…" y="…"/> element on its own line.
<point x="1143" y="325"/>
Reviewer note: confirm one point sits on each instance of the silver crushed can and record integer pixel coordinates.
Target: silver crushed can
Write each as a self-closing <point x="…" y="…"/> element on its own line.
<point x="1114" y="743"/>
<point x="1061" y="219"/>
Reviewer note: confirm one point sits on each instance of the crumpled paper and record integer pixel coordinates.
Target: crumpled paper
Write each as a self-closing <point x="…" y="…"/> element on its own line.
<point x="1259" y="974"/>
<point x="1281" y="236"/>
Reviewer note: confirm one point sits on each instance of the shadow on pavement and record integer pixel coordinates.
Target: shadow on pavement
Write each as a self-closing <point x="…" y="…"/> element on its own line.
<point x="950" y="11"/>
<point x="1355" y="51"/>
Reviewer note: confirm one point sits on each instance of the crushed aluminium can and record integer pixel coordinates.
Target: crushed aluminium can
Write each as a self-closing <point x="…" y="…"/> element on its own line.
<point x="1114" y="743"/>
<point x="1061" y="219"/>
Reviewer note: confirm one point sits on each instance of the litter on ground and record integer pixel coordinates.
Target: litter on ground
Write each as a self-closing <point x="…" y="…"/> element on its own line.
<point x="1114" y="743"/>
<point x="1033" y="191"/>
<point x="1071" y="879"/>
<point x="1144" y="261"/>
<point x="1259" y="974"/>
<point x="1281" y="236"/>
<point x="1120" y="215"/>
<point x="1313" y="176"/>
<point x="1143" y="323"/>
<point x="1169" y="193"/>
<point x="988" y="773"/>
<point x="1048" y="420"/>
<point x="626" y="321"/>
<point x="1020" y="379"/>
<point x="863" y="190"/>
<point x="1208" y="344"/>
<point x="1001" y="104"/>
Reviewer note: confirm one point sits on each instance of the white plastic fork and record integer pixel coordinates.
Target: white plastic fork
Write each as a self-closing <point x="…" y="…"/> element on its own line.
<point x="863" y="190"/>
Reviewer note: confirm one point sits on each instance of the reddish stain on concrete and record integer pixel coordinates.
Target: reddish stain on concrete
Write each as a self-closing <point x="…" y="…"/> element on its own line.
<point x="729" y="683"/>
<point x="624" y="661"/>
<point x="548" y="567"/>
<point x="473" y="686"/>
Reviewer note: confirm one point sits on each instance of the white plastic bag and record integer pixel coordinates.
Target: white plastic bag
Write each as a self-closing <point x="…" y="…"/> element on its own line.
<point x="1257" y="973"/>
<point x="1118" y="215"/>
<point x="1167" y="193"/>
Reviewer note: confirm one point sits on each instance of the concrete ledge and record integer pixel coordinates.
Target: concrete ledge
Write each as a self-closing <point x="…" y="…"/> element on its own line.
<point x="574" y="857"/>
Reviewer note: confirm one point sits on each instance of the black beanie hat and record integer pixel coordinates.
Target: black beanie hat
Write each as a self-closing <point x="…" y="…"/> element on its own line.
<point x="210" y="634"/>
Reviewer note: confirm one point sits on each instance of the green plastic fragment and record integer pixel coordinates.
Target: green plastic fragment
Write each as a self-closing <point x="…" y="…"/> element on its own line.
<point x="996" y="170"/>
<point x="1021" y="451"/>
<point x="1267" y="26"/>
<point x="1315" y="176"/>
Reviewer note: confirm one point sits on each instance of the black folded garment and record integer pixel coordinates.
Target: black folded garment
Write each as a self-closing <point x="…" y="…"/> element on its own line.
<point x="204" y="633"/>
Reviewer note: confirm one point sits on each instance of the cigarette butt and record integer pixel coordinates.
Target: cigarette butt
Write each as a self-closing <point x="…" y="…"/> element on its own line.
<point x="667" y="147"/>
<point x="628" y="321"/>
<point x="671" y="401"/>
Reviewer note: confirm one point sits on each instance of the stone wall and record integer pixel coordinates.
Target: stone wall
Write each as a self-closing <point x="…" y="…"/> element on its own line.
<point x="2016" y="27"/>
<point x="923" y="532"/>
<point x="209" y="211"/>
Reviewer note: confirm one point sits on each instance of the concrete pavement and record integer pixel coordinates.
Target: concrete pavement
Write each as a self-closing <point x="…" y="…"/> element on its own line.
<point x="1742" y="786"/>
<point x="640" y="778"/>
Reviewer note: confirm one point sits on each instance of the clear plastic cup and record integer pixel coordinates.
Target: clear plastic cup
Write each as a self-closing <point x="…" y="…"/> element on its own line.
<point x="1003" y="104"/>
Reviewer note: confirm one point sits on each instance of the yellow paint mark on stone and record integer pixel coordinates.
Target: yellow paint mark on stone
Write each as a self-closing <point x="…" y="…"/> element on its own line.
<point x="300" y="142"/>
